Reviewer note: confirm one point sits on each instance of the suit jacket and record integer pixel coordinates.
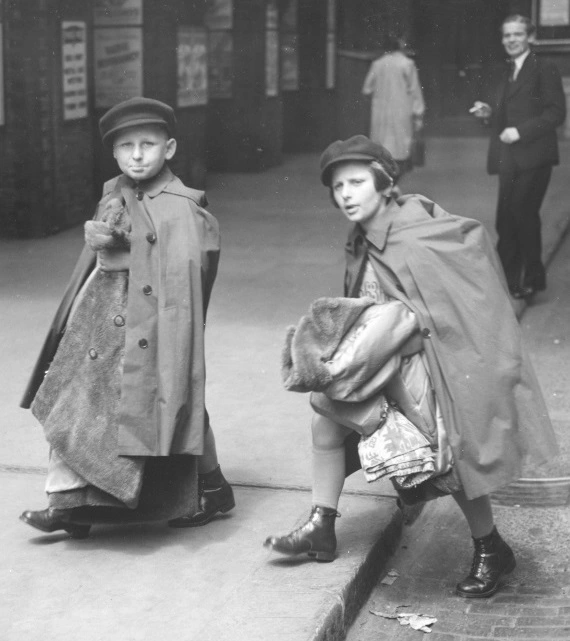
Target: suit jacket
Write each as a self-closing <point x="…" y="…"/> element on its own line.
<point x="535" y="104"/>
<point x="445" y="269"/>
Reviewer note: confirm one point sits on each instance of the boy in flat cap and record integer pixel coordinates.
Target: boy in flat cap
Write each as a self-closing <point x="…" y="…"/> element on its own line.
<point x="119" y="385"/>
<point x="483" y="405"/>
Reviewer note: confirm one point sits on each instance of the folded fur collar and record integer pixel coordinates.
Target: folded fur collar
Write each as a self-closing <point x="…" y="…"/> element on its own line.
<point x="113" y="230"/>
<point x="312" y="343"/>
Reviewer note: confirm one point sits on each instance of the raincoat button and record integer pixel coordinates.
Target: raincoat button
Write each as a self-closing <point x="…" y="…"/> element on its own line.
<point x="143" y="343"/>
<point x="151" y="238"/>
<point x="426" y="333"/>
<point x="147" y="290"/>
<point x="119" y="320"/>
<point x="140" y="195"/>
<point x="92" y="354"/>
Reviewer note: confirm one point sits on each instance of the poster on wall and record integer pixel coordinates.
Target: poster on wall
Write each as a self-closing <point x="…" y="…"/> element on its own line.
<point x="118" y="65"/>
<point x="331" y="61"/>
<point x="220" y="67"/>
<point x="74" y="69"/>
<point x="192" y="53"/>
<point x="272" y="15"/>
<point x="554" y="13"/>
<point x="219" y="14"/>
<point x="271" y="63"/>
<point x="289" y="21"/>
<point x="289" y="62"/>
<point x="331" y="15"/>
<point x="112" y="13"/>
<point x="1" y="76"/>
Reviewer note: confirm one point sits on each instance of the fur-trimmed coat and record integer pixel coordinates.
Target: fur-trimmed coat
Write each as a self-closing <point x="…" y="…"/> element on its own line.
<point x="173" y="263"/>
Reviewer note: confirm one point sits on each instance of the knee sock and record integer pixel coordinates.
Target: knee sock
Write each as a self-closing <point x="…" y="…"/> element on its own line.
<point x="328" y="476"/>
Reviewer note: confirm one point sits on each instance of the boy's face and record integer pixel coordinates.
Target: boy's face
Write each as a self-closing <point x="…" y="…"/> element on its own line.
<point x="141" y="151"/>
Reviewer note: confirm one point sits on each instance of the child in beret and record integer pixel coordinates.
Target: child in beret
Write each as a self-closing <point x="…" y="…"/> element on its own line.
<point x="444" y="269"/>
<point x="119" y="385"/>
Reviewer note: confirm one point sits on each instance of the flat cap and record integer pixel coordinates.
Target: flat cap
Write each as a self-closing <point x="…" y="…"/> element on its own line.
<point x="136" y="111"/>
<point x="356" y="148"/>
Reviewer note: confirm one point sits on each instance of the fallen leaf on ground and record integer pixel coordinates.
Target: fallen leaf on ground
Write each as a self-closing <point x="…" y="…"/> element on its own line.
<point x="390" y="577"/>
<point x="416" y="621"/>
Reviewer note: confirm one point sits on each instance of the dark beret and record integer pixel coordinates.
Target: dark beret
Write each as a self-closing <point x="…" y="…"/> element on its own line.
<point x="356" y="148"/>
<point x="136" y="111"/>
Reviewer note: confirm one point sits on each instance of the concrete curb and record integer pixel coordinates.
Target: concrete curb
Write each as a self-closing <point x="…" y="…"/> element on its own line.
<point x="335" y="623"/>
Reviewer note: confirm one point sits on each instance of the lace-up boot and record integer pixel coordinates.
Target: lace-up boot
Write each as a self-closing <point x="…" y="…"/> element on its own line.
<point x="316" y="537"/>
<point x="492" y="560"/>
<point x="215" y="495"/>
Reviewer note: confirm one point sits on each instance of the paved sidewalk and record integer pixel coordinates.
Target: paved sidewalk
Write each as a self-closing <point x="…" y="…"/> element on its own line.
<point x="282" y="248"/>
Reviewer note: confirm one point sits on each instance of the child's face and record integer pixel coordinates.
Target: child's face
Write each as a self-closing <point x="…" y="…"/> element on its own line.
<point x="354" y="190"/>
<point x="141" y="151"/>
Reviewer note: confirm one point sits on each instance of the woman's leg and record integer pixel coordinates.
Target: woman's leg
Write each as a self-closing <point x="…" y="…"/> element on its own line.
<point x="328" y="461"/>
<point x="478" y="512"/>
<point x="493" y="558"/>
<point x="316" y="537"/>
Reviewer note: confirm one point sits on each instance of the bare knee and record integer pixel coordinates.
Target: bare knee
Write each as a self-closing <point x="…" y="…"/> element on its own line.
<point x="327" y="435"/>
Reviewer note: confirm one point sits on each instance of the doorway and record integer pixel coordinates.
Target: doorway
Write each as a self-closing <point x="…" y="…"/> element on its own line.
<point x="457" y="45"/>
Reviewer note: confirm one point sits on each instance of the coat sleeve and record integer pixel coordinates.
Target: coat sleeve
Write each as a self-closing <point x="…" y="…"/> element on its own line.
<point x="553" y="105"/>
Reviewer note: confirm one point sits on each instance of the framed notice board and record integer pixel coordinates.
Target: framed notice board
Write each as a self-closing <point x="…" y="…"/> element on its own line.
<point x="552" y="20"/>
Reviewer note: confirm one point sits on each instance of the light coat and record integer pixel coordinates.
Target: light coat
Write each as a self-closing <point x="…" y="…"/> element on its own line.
<point x="393" y="83"/>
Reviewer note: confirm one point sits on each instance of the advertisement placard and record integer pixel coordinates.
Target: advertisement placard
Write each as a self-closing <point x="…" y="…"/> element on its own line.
<point x="220" y="67"/>
<point x="74" y="69"/>
<point x="112" y="13"/>
<point x="2" y="121"/>
<point x="192" y="53"/>
<point x="219" y="14"/>
<point x="118" y="65"/>
<point x="271" y="62"/>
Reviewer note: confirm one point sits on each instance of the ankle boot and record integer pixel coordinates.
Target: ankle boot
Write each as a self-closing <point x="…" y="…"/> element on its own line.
<point x="493" y="559"/>
<point x="316" y="537"/>
<point x="215" y="495"/>
<point x="52" y="520"/>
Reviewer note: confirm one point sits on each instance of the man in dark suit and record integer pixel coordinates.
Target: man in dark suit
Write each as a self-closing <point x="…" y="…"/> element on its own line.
<point x="528" y="105"/>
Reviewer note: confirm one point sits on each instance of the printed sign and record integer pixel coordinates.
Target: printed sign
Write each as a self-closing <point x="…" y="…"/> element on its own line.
<point x="271" y="63"/>
<point x="74" y="69"/>
<point x="192" y="54"/>
<point x="220" y="68"/>
<point x="219" y="14"/>
<point x="554" y="13"/>
<point x="331" y="61"/>
<point x="112" y="13"/>
<point x="272" y="15"/>
<point x="118" y="65"/>
<point x="2" y="121"/>
<point x="289" y="62"/>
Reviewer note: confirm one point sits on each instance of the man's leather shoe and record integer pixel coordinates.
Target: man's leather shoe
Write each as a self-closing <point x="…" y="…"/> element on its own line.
<point x="52" y="520"/>
<point x="215" y="495"/>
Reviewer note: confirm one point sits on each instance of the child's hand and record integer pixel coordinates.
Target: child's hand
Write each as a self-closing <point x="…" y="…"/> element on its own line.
<point x="114" y="260"/>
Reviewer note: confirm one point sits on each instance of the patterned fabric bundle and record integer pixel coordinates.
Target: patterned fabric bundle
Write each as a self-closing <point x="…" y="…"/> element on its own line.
<point x="397" y="450"/>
